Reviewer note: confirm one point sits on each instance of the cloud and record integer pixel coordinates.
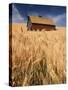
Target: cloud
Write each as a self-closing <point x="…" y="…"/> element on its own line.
<point x="60" y="19"/>
<point x="16" y="16"/>
<point x="33" y="14"/>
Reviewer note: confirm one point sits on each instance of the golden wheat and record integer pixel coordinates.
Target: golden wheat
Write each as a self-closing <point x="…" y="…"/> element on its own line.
<point x="38" y="58"/>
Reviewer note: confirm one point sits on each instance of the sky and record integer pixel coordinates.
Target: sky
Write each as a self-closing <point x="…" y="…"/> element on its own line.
<point x="19" y="13"/>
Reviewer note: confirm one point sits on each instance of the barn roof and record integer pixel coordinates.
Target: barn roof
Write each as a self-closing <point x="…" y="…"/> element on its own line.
<point x="41" y="20"/>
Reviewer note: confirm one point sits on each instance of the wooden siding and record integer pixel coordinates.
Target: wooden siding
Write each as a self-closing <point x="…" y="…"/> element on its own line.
<point x="40" y="27"/>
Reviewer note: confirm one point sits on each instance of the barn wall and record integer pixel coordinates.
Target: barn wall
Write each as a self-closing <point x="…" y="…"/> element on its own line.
<point x="29" y="24"/>
<point x="39" y="27"/>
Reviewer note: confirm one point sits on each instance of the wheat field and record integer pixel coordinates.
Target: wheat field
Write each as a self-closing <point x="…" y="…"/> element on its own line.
<point x="38" y="57"/>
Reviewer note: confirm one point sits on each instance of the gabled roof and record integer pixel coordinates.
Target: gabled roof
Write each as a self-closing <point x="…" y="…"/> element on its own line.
<point x="41" y="20"/>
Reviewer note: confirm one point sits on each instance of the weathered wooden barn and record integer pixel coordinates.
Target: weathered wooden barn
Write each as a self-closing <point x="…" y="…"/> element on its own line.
<point x="40" y="23"/>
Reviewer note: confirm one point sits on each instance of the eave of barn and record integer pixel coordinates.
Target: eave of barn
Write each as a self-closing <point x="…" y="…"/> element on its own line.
<point x="43" y="24"/>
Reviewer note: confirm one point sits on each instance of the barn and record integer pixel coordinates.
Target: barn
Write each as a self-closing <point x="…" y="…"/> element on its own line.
<point x="40" y="23"/>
